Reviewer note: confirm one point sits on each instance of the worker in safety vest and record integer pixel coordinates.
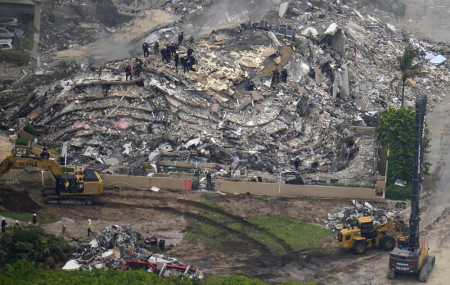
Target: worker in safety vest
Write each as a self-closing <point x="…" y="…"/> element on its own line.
<point x="90" y="227"/>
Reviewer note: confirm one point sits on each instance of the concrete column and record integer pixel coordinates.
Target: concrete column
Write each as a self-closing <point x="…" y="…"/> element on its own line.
<point x="37" y="24"/>
<point x="345" y="90"/>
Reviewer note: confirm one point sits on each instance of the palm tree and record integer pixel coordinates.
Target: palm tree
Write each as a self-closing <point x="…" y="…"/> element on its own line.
<point x="406" y="67"/>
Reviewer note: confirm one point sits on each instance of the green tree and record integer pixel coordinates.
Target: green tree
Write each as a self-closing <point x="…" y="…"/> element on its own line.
<point x="395" y="131"/>
<point x="407" y="68"/>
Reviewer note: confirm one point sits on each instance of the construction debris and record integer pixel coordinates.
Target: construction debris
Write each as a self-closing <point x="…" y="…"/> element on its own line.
<point x="341" y="64"/>
<point x="119" y="247"/>
<point x="347" y="216"/>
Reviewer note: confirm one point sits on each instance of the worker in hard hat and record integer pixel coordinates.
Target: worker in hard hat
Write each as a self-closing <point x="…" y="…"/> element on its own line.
<point x="180" y="37"/>
<point x="145" y="49"/>
<point x="66" y="185"/>
<point x="3" y="225"/>
<point x="90" y="227"/>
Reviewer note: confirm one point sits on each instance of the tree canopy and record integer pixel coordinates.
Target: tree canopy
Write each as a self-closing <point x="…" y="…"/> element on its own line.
<point x="407" y="68"/>
<point x="395" y="131"/>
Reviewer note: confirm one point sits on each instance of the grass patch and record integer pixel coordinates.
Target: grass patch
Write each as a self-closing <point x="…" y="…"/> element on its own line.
<point x="26" y="217"/>
<point x="265" y="235"/>
<point x="210" y="203"/>
<point x="296" y="234"/>
<point x="216" y="239"/>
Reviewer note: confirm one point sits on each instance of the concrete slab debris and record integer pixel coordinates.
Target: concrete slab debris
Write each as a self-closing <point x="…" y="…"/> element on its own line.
<point x="338" y="68"/>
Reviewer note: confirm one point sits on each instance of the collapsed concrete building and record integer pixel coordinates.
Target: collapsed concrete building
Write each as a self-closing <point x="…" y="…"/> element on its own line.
<point x="340" y="60"/>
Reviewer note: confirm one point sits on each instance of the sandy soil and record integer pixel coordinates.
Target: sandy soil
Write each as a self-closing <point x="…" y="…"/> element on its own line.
<point x="429" y="18"/>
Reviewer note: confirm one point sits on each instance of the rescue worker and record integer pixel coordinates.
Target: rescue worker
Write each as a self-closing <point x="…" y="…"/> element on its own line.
<point x="180" y="37"/>
<point x="177" y="57"/>
<point x="45" y="153"/>
<point x="156" y="47"/>
<point x="128" y="72"/>
<point x="185" y="64"/>
<point x="34" y="219"/>
<point x="275" y="76"/>
<point x="90" y="228"/>
<point x="4" y="223"/>
<point x="189" y="52"/>
<point x="297" y="162"/>
<point x="16" y="225"/>
<point x="208" y="180"/>
<point x="251" y="86"/>
<point x="284" y="75"/>
<point x="168" y="51"/>
<point x="145" y="49"/>
<point x="66" y="185"/>
<point x="191" y="61"/>
<point x="138" y="67"/>
<point x="164" y="55"/>
<point x="63" y="231"/>
<point x="173" y="48"/>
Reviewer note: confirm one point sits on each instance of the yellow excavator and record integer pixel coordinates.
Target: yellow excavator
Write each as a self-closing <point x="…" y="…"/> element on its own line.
<point x="80" y="188"/>
<point x="367" y="235"/>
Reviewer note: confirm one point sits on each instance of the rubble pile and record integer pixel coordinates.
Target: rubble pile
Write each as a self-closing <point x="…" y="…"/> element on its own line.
<point x="119" y="247"/>
<point x="346" y="217"/>
<point x="341" y="66"/>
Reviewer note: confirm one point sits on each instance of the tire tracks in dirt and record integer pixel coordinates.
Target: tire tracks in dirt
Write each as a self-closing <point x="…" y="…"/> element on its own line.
<point x="196" y="206"/>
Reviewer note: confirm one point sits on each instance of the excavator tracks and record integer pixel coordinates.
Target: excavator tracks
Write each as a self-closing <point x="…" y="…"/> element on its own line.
<point x="70" y="201"/>
<point x="426" y="268"/>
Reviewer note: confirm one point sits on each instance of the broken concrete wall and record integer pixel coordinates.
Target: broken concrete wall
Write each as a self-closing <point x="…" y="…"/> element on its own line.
<point x="280" y="189"/>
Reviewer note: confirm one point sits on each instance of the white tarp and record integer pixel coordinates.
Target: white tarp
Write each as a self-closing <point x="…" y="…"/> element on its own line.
<point x="71" y="265"/>
<point x="332" y="29"/>
<point x="438" y="59"/>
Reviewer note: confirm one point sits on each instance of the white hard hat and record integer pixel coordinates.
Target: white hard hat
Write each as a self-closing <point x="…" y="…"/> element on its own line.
<point x="17" y="221"/>
<point x="3" y="218"/>
<point x="89" y="220"/>
<point x="34" y="214"/>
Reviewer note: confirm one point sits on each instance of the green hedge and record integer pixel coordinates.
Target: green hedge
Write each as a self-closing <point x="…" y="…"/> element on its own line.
<point x="15" y="56"/>
<point x="22" y="141"/>
<point x="32" y="244"/>
<point x="23" y="272"/>
<point x="30" y="128"/>
<point x="396" y="192"/>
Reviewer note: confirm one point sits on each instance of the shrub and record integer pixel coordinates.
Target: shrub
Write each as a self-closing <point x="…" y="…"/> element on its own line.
<point x="54" y="151"/>
<point x="15" y="56"/>
<point x="22" y="141"/>
<point x="30" y="128"/>
<point x="28" y="42"/>
<point x="396" y="192"/>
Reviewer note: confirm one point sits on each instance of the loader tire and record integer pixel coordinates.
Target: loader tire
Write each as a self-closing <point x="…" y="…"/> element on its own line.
<point x="388" y="243"/>
<point x="359" y="247"/>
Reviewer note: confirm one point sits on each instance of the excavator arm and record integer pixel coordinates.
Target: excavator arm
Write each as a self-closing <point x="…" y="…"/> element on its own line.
<point x="20" y="162"/>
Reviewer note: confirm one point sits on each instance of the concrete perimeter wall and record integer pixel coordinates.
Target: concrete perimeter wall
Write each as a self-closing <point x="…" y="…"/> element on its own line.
<point x="19" y="175"/>
<point x="232" y="187"/>
<point x="146" y="182"/>
<point x="276" y="189"/>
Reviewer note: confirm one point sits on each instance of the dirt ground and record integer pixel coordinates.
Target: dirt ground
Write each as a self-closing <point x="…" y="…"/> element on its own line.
<point x="164" y="214"/>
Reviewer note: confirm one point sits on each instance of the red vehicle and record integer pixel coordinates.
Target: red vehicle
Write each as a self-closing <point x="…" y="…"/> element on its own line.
<point x="165" y="269"/>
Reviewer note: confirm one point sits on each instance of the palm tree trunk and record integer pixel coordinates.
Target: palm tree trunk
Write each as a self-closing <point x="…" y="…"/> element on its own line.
<point x="403" y="91"/>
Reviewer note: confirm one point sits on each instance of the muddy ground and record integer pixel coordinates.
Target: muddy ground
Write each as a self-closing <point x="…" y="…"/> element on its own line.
<point x="170" y="215"/>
